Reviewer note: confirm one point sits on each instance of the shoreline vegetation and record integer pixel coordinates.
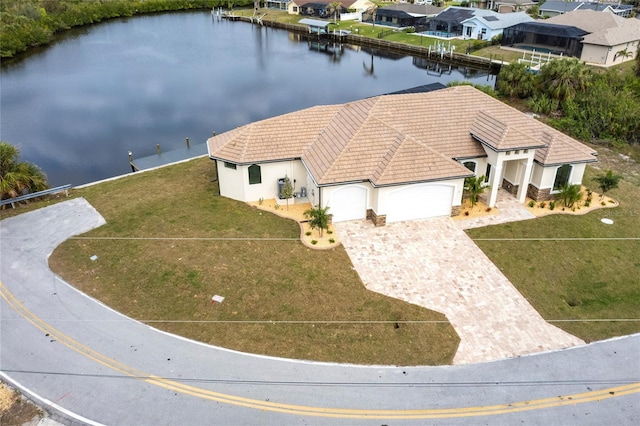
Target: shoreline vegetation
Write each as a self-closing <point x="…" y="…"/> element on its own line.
<point x="25" y="24"/>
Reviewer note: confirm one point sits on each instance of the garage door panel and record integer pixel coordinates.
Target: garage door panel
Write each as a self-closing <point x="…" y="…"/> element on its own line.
<point x="419" y="202"/>
<point x="348" y="203"/>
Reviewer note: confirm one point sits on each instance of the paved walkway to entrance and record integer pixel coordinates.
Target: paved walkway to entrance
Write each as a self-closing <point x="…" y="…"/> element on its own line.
<point x="434" y="264"/>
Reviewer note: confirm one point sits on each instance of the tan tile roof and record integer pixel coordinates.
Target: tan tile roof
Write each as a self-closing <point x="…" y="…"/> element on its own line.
<point x="605" y="28"/>
<point x="627" y="32"/>
<point x="562" y="149"/>
<point x="395" y="139"/>
<point x="588" y="20"/>
<point x="500" y="136"/>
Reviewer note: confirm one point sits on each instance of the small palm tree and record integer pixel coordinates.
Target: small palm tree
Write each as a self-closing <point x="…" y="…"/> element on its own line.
<point x="475" y="187"/>
<point x="334" y="8"/>
<point x="18" y="178"/>
<point x="624" y="53"/>
<point x="319" y="218"/>
<point x="570" y="194"/>
<point x="607" y="181"/>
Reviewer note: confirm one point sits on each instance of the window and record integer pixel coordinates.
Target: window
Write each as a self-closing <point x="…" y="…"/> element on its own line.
<point x="471" y="165"/>
<point x="255" y="176"/>
<point x="562" y="177"/>
<point x="488" y="173"/>
<point x="229" y="165"/>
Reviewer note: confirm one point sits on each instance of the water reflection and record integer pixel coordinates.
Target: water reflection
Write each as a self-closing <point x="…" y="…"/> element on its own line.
<point x="78" y="107"/>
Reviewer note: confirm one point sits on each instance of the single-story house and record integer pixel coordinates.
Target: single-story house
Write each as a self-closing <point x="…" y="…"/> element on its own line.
<point x="319" y="7"/>
<point x="277" y="4"/>
<point x="401" y="14"/>
<point x="508" y="6"/>
<point x="553" y="8"/>
<point x="449" y="22"/>
<point x="469" y="23"/>
<point x="611" y="39"/>
<point x="398" y="157"/>
<point x="487" y="24"/>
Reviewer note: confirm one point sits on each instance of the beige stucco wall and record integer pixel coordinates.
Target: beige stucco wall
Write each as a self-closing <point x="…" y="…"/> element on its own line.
<point x="548" y="175"/>
<point x="235" y="183"/>
<point x="232" y="182"/>
<point x="606" y="56"/>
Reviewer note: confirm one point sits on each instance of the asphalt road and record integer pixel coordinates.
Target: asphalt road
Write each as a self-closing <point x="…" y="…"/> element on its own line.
<point x="90" y="365"/>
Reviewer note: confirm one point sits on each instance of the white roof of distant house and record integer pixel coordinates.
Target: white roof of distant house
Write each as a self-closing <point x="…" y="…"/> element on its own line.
<point x="496" y="21"/>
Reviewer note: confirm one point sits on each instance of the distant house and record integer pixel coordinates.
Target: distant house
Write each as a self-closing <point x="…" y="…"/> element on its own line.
<point x="277" y="4"/>
<point x="401" y="14"/>
<point x="398" y="157"/>
<point x="608" y="36"/>
<point x="481" y="24"/>
<point x="319" y="8"/>
<point x="594" y="37"/>
<point x="508" y="6"/>
<point x="486" y="24"/>
<point x="553" y="8"/>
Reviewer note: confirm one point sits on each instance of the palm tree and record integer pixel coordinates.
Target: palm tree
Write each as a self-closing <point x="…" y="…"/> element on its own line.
<point x="563" y="78"/>
<point x="570" y="194"/>
<point x="319" y="218"/>
<point x="515" y="80"/>
<point x="475" y="186"/>
<point x="18" y="178"/>
<point x="607" y="181"/>
<point x="335" y="7"/>
<point x="624" y="53"/>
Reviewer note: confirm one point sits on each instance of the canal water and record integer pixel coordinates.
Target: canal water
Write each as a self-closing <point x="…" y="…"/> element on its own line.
<point x="78" y="106"/>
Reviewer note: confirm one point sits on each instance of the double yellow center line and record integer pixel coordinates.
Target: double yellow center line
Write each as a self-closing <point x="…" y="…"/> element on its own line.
<point x="175" y="386"/>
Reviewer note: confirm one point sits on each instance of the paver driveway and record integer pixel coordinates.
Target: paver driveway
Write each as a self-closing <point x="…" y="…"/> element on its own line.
<point x="434" y="264"/>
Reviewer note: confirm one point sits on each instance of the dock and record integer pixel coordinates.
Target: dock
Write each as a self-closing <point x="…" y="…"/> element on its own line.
<point x="169" y="157"/>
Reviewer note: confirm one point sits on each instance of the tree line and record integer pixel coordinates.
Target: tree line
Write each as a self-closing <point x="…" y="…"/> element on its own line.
<point x="587" y="104"/>
<point x="29" y="23"/>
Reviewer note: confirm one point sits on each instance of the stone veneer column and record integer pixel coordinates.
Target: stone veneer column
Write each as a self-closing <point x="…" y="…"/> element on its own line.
<point x="539" y="194"/>
<point x="455" y="211"/>
<point x="378" y="220"/>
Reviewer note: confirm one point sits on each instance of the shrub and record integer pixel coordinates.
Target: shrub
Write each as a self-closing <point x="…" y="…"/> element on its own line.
<point x="532" y="203"/>
<point x="331" y="241"/>
<point x="314" y="242"/>
<point x="308" y="233"/>
<point x="543" y="205"/>
<point x="552" y="205"/>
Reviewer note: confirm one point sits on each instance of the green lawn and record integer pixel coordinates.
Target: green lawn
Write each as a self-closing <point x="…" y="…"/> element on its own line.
<point x="281" y="298"/>
<point x="592" y="275"/>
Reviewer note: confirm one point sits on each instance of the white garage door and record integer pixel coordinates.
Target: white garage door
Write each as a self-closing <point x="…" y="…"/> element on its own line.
<point x="419" y="202"/>
<point x="348" y="203"/>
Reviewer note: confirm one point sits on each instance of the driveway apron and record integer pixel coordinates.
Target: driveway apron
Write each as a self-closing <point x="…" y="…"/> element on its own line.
<point x="434" y="264"/>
